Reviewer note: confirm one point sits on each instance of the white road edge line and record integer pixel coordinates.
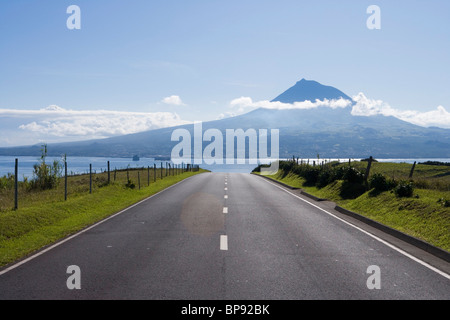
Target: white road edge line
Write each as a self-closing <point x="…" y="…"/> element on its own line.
<point x="224" y="243"/>
<point x="442" y="273"/>
<point x="14" y="266"/>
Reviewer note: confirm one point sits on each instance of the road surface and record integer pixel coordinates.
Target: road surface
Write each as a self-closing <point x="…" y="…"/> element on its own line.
<point x="225" y="236"/>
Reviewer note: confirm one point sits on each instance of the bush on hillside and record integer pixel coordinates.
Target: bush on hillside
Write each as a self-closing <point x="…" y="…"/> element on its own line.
<point x="404" y="189"/>
<point x="311" y="175"/>
<point x="325" y="177"/>
<point x="380" y="183"/>
<point x="353" y="175"/>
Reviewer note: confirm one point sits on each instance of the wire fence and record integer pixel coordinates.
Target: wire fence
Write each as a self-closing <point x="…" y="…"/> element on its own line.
<point x="69" y="183"/>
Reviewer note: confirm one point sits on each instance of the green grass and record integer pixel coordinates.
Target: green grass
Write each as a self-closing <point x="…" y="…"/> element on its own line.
<point x="421" y="216"/>
<point x="426" y="176"/>
<point x="44" y="217"/>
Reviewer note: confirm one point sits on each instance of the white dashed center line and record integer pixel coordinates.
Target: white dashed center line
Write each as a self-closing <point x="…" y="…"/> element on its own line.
<point x="224" y="243"/>
<point x="224" y="238"/>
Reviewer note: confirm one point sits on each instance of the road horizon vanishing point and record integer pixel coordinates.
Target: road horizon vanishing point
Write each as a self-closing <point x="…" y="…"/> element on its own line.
<point x="213" y="153"/>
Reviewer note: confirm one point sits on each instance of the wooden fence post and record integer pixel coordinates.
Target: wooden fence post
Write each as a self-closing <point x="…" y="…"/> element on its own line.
<point x="65" y="180"/>
<point x="16" y="185"/>
<point x="90" y="178"/>
<point x="366" y="176"/>
<point x="412" y="170"/>
<point x="109" y="175"/>
<point x="139" y="180"/>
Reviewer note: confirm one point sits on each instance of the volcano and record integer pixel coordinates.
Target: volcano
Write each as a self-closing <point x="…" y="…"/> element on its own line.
<point x="330" y="132"/>
<point x="312" y="91"/>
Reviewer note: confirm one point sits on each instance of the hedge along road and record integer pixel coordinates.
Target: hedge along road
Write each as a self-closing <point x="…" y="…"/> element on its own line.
<point x="224" y="236"/>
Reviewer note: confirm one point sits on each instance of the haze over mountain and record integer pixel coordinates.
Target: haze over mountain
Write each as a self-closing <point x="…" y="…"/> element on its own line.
<point x="332" y="132"/>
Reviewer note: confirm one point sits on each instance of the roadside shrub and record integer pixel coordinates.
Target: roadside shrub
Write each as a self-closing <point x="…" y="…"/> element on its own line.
<point x="353" y="175"/>
<point x="260" y="166"/>
<point x="101" y="181"/>
<point x="338" y="173"/>
<point x="324" y="178"/>
<point x="353" y="185"/>
<point x="444" y="202"/>
<point x="7" y="182"/>
<point x="300" y="170"/>
<point x="257" y="169"/>
<point x="380" y="183"/>
<point x="130" y="184"/>
<point x="286" y="166"/>
<point x="404" y="189"/>
<point x="352" y="190"/>
<point x="45" y="176"/>
<point x="311" y="175"/>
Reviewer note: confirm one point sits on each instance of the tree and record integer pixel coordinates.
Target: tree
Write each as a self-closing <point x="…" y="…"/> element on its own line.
<point x="45" y="176"/>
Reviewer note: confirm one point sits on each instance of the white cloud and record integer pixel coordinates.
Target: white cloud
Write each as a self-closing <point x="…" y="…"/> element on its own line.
<point x="57" y="124"/>
<point x="247" y="102"/>
<point x="173" y="100"/>
<point x="364" y="106"/>
<point x="226" y="115"/>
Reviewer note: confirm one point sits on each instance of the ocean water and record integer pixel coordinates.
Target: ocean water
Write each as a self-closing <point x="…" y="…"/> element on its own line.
<point x="80" y="165"/>
<point x="75" y="165"/>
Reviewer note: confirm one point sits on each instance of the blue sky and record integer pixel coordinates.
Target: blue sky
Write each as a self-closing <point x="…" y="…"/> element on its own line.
<point x="171" y="62"/>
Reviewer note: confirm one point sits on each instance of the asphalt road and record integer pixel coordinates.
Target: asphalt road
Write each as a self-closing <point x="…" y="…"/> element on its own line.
<point x="227" y="236"/>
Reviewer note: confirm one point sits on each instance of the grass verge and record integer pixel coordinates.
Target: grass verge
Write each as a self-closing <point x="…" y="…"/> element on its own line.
<point x="40" y="224"/>
<point x="421" y="216"/>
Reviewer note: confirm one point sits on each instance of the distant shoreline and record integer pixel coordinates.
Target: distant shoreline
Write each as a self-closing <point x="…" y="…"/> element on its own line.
<point x="80" y="165"/>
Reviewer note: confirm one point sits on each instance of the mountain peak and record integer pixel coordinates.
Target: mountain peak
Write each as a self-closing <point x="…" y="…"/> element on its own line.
<point x="310" y="90"/>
